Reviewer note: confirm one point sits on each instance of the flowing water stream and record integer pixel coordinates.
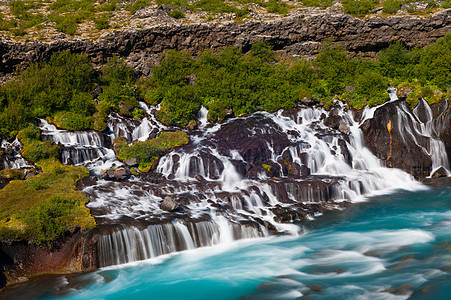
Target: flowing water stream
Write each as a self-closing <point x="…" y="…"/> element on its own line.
<point x="241" y="184"/>
<point x="392" y="247"/>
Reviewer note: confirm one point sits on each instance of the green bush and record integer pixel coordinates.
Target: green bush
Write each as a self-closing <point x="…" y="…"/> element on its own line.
<point x="263" y="50"/>
<point x="101" y="23"/>
<point x="335" y="67"/>
<point x="176" y="14"/>
<point x="72" y="121"/>
<point x="359" y="8"/>
<point x="51" y="218"/>
<point x="394" y="60"/>
<point x="119" y="90"/>
<point x="63" y="84"/>
<point x="317" y="3"/>
<point x="392" y="6"/>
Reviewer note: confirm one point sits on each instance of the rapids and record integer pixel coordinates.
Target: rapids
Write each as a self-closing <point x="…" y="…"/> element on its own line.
<point x="394" y="246"/>
<point x="248" y="177"/>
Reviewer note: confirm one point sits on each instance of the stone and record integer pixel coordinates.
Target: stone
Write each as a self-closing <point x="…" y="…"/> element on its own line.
<point x="116" y="174"/>
<point x="386" y="136"/>
<point x="404" y="92"/>
<point x="344" y="129"/>
<point x="440" y="172"/>
<point x="131" y="162"/>
<point x="405" y="289"/>
<point x="168" y="204"/>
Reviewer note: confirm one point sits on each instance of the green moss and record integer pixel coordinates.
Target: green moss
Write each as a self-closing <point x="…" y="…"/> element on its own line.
<point x="147" y="152"/>
<point x="44" y="206"/>
<point x="12" y="174"/>
<point x="72" y="121"/>
<point x="266" y="167"/>
<point x="35" y="150"/>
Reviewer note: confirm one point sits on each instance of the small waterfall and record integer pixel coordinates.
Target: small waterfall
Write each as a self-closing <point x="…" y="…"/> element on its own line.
<point x="202" y="117"/>
<point x="241" y="178"/>
<point x="130" y="244"/>
<point x="425" y="125"/>
<point x="11" y="159"/>
<point x="132" y="129"/>
<point x="81" y="148"/>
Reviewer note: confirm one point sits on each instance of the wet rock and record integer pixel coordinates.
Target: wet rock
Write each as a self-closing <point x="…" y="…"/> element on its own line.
<point x="440" y="172"/>
<point x="131" y="162"/>
<point x="168" y="204"/>
<point x="405" y="289"/>
<point x="192" y="125"/>
<point x="116" y="174"/>
<point x="404" y="92"/>
<point x="316" y="288"/>
<point x="344" y="129"/>
<point x="387" y="136"/>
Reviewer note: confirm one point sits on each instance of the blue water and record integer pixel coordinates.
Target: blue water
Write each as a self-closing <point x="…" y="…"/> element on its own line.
<point x="392" y="247"/>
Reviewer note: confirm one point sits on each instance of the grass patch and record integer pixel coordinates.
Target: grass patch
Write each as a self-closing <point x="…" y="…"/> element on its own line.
<point x="44" y="206"/>
<point x="149" y="151"/>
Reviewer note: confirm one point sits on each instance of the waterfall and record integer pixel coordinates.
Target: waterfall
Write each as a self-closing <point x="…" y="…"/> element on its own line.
<point x="224" y="192"/>
<point x="81" y="148"/>
<point x="130" y="244"/>
<point x="246" y="177"/>
<point x="12" y="158"/>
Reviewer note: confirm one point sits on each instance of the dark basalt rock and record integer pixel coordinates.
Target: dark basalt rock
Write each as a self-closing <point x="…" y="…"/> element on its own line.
<point x="117" y="174"/>
<point x="440" y="172"/>
<point x="298" y="34"/>
<point x="168" y="204"/>
<point x="250" y="137"/>
<point x="396" y="148"/>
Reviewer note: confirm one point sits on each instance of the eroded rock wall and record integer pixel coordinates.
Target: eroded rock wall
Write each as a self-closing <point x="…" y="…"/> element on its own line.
<point x="299" y="35"/>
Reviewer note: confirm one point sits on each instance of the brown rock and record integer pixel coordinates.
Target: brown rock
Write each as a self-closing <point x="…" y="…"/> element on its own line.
<point x="168" y="204"/>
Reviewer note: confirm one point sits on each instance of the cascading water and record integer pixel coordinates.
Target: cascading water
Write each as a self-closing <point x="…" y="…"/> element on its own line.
<point x="248" y="177"/>
<point x="12" y="158"/>
<point x="83" y="148"/>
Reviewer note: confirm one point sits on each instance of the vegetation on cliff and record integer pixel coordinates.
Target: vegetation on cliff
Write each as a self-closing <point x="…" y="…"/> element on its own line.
<point x="64" y="89"/>
<point x="259" y="80"/>
<point x="39" y="18"/>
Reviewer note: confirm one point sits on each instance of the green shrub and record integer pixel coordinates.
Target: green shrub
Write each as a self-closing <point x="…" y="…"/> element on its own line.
<point x="72" y="121"/>
<point x="359" y="8"/>
<point x="263" y="50"/>
<point x="101" y="23"/>
<point x="37" y="150"/>
<point x="44" y="206"/>
<point x="393" y="60"/>
<point x="47" y="88"/>
<point x="392" y="6"/>
<point x="119" y="90"/>
<point x="317" y="3"/>
<point x="11" y="174"/>
<point x="179" y="106"/>
<point x="276" y="6"/>
<point x="176" y="14"/>
<point x="335" y="67"/>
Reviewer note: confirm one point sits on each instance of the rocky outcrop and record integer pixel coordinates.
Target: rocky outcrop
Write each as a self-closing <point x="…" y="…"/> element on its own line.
<point x="298" y="34"/>
<point x="71" y="254"/>
<point x="404" y="138"/>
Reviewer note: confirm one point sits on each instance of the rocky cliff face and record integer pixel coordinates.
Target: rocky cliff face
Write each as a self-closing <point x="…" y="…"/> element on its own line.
<point x="71" y="254"/>
<point x="299" y="34"/>
<point x="417" y="141"/>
